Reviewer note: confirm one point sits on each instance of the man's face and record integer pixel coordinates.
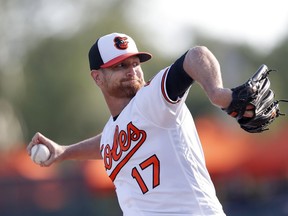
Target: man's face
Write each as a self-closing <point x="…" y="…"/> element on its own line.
<point x="123" y="79"/>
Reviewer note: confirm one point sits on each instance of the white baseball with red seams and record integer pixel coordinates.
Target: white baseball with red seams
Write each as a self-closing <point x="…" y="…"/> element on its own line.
<point x="40" y="153"/>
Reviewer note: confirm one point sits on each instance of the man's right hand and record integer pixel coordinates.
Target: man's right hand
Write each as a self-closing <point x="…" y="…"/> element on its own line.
<point x="55" y="149"/>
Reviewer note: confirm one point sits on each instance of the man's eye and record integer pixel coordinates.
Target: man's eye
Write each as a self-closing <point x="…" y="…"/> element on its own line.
<point x="119" y="66"/>
<point x="135" y="64"/>
<point x="124" y="65"/>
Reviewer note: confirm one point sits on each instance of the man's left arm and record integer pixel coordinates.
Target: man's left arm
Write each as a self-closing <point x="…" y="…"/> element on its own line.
<point x="200" y="65"/>
<point x="203" y="67"/>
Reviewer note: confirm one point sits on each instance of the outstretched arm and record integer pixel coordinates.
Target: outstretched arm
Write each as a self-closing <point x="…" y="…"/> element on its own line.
<point x="84" y="150"/>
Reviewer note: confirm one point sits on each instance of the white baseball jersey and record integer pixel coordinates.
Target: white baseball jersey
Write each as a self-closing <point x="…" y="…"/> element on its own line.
<point x="153" y="155"/>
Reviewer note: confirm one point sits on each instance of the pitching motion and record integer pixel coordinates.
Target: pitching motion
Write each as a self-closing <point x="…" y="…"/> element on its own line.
<point x="255" y="95"/>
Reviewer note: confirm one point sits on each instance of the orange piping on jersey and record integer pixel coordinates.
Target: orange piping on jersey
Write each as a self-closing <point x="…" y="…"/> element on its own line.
<point x="163" y="89"/>
<point x="122" y="143"/>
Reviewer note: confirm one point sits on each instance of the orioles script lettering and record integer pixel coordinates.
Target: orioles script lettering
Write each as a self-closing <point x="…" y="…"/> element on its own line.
<point x="128" y="141"/>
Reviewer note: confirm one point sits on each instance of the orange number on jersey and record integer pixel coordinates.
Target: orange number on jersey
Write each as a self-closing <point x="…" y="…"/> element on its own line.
<point x="155" y="163"/>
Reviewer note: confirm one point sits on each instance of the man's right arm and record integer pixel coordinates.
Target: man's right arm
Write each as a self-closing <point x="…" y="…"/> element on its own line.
<point x="84" y="150"/>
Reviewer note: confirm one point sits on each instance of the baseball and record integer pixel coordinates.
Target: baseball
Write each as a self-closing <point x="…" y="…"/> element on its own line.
<point x="40" y="153"/>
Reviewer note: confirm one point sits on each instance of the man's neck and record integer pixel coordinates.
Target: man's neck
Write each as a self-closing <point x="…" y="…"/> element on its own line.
<point x="116" y="105"/>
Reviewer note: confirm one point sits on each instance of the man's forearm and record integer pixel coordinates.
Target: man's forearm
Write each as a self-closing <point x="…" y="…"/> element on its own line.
<point x="83" y="150"/>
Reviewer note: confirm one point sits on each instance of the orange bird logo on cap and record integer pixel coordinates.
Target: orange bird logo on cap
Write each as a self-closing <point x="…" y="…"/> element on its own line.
<point x="121" y="43"/>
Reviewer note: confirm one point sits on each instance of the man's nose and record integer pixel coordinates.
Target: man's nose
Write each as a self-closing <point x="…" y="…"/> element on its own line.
<point x="131" y="70"/>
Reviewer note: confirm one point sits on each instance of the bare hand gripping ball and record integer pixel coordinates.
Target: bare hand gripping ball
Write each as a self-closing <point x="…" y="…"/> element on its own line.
<point x="40" y="153"/>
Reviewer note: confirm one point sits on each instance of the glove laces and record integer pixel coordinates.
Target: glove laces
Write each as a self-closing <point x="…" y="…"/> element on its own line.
<point x="281" y="100"/>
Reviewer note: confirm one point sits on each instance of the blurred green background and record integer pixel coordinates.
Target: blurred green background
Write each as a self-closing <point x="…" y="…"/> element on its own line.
<point x="45" y="86"/>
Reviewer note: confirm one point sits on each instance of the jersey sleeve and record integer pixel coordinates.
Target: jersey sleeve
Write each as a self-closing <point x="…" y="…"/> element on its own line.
<point x="178" y="81"/>
<point x="156" y="105"/>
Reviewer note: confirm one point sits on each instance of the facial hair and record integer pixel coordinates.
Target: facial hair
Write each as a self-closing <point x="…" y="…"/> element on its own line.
<point x="126" y="88"/>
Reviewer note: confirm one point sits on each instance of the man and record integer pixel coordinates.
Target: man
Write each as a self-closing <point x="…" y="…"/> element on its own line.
<point x="150" y="146"/>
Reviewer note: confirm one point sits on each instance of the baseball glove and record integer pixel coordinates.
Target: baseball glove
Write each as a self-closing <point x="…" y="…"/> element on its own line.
<point x="255" y="96"/>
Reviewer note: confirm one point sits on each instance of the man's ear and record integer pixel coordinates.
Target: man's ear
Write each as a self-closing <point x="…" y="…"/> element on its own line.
<point x="96" y="75"/>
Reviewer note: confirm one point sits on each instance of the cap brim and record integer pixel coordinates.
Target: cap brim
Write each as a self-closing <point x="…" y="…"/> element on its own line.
<point x="143" y="56"/>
